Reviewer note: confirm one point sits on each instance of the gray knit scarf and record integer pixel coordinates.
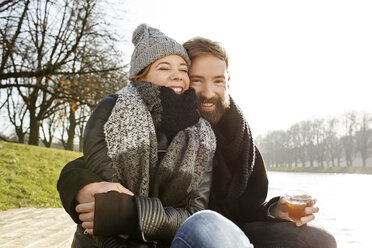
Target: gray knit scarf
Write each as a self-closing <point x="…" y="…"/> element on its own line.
<point x="132" y="146"/>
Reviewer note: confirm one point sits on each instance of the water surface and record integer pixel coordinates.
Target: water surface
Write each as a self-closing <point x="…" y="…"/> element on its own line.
<point x="344" y="201"/>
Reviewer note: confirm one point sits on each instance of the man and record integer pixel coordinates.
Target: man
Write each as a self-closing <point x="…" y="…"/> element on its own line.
<point x="240" y="183"/>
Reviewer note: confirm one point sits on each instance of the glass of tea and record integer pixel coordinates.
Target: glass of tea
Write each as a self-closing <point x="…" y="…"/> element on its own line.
<point x="296" y="205"/>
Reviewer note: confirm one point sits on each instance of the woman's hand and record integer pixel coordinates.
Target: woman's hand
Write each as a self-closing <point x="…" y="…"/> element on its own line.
<point x="179" y="111"/>
<point x="86" y="199"/>
<point x="279" y="210"/>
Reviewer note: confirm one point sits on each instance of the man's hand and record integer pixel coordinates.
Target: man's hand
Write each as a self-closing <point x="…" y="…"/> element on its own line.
<point x="86" y="194"/>
<point x="86" y="199"/>
<point x="280" y="211"/>
<point x="86" y="215"/>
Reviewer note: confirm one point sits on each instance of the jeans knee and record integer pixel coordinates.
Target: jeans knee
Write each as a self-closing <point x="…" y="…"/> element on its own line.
<point x="205" y="217"/>
<point x="210" y="229"/>
<point x="209" y="214"/>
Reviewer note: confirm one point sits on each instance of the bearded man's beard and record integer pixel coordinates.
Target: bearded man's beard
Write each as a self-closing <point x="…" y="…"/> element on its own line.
<point x="220" y="107"/>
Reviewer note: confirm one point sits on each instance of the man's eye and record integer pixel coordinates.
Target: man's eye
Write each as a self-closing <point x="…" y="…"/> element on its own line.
<point x="219" y="82"/>
<point x="163" y="68"/>
<point x="184" y="70"/>
<point x="196" y="81"/>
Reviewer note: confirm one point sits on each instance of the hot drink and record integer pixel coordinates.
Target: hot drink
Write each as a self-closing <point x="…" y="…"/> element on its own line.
<point x="296" y="206"/>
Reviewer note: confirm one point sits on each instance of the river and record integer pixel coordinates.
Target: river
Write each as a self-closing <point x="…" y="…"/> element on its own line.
<point x="343" y="200"/>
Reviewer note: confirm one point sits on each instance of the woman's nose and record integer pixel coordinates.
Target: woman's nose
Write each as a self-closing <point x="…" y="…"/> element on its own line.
<point x="176" y="75"/>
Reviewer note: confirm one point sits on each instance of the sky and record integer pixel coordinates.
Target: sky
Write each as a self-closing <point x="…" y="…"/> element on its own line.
<point x="290" y="60"/>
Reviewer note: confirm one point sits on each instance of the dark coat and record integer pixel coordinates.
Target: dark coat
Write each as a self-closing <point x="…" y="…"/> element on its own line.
<point x="239" y="187"/>
<point x="165" y="220"/>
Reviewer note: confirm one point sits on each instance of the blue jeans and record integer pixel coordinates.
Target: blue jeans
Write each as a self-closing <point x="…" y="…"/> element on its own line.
<point x="208" y="229"/>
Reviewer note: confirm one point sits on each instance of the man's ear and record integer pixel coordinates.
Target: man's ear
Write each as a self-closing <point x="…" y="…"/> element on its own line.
<point x="228" y="81"/>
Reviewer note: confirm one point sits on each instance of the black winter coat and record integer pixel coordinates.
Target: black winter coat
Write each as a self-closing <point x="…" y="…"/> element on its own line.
<point x="247" y="205"/>
<point x="165" y="220"/>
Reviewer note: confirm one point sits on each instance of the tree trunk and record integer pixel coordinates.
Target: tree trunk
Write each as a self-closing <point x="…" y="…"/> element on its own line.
<point x="34" y="130"/>
<point x="81" y="140"/>
<point x="71" y="131"/>
<point x="20" y="135"/>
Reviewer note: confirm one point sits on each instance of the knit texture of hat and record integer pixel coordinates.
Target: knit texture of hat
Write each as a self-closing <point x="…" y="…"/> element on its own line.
<point x="151" y="44"/>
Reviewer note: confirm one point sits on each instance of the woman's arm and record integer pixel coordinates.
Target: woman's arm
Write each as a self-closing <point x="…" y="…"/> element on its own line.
<point x="155" y="222"/>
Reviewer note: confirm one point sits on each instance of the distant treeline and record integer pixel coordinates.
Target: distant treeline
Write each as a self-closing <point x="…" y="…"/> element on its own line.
<point x="319" y="143"/>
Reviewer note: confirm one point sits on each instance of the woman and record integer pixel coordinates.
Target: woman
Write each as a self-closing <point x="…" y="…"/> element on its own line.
<point x="150" y="138"/>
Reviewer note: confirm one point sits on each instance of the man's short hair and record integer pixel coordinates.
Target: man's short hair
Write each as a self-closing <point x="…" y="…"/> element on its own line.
<point x="202" y="46"/>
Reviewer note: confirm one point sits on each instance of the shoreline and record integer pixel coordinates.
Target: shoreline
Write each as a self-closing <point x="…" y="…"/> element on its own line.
<point x="345" y="170"/>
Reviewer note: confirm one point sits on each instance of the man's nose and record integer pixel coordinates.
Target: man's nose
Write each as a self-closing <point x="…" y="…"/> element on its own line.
<point x="207" y="91"/>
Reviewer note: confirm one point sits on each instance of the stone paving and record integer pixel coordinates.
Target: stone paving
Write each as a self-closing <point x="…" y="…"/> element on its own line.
<point x="36" y="227"/>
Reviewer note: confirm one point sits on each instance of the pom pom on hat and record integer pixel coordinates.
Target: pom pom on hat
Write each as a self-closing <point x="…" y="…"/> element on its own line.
<point x="138" y="33"/>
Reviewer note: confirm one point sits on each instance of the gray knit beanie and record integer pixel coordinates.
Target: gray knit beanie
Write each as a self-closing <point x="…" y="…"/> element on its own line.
<point x="151" y="44"/>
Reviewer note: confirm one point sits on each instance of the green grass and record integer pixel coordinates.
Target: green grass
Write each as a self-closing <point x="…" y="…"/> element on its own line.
<point x="29" y="174"/>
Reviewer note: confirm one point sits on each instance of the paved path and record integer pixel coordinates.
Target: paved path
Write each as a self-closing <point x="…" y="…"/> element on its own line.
<point x="36" y="227"/>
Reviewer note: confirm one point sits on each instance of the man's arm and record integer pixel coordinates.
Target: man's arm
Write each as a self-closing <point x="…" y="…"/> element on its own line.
<point x="117" y="213"/>
<point x="74" y="176"/>
<point x="279" y="210"/>
<point x="273" y="210"/>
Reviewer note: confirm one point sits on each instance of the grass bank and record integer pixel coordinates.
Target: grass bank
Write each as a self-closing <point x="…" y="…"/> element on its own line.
<point x="29" y="174"/>
<point x="353" y="169"/>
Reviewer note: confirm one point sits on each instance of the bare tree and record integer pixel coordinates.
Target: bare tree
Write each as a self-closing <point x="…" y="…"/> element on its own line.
<point x="91" y="87"/>
<point x="302" y="139"/>
<point x="333" y="149"/>
<point x="348" y="139"/>
<point x="295" y="143"/>
<point x="12" y="17"/>
<point x="84" y="113"/>
<point x="17" y="112"/>
<point x="275" y="148"/>
<point x="364" y="137"/>
<point x="319" y="137"/>
<point x="307" y="137"/>
<point x="325" y="141"/>
<point x="44" y="43"/>
<point x="49" y="127"/>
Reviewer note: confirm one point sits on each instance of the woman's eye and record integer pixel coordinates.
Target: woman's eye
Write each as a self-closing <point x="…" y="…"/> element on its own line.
<point x="163" y="68"/>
